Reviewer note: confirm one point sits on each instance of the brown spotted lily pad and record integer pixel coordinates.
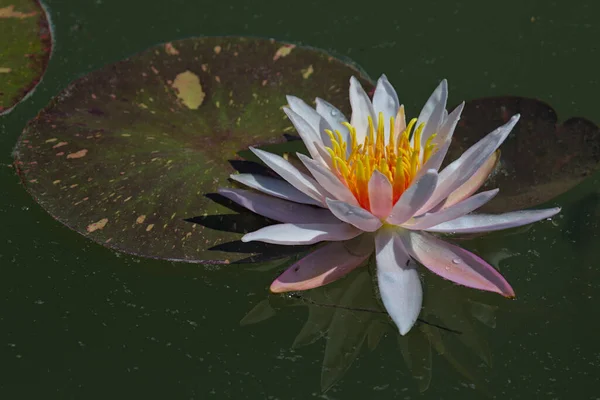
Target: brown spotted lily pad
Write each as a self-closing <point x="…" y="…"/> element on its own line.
<point x="25" y="50"/>
<point x="541" y="158"/>
<point x="125" y="154"/>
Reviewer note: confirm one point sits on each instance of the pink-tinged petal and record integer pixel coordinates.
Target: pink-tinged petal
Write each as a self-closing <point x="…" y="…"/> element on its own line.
<point x="475" y="182"/>
<point x="462" y="169"/>
<point x="274" y="187"/>
<point x="309" y="114"/>
<point x="324" y="265"/>
<point x="456" y="211"/>
<point x="334" y="117"/>
<point x="293" y="234"/>
<point x="474" y="223"/>
<point x="413" y="198"/>
<point x="311" y="138"/>
<point x="278" y="209"/>
<point x="291" y="174"/>
<point x="328" y="180"/>
<point x="399" y="123"/>
<point x="398" y="280"/>
<point x="455" y="264"/>
<point x="380" y="195"/>
<point x="361" y="109"/>
<point x="432" y="113"/>
<point x="355" y="215"/>
<point x="385" y="100"/>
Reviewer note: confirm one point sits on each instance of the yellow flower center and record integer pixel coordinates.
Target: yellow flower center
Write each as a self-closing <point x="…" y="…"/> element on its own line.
<point x="398" y="159"/>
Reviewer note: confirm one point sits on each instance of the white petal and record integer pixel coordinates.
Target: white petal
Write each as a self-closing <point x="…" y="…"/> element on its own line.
<point x="278" y="209"/>
<point x="328" y="180"/>
<point x="385" y="100"/>
<point x="446" y="130"/>
<point x="456" y="211"/>
<point x="274" y="187"/>
<point x="443" y="140"/>
<point x="380" y="195"/>
<point x="355" y="215"/>
<point x="460" y="170"/>
<point x="432" y="113"/>
<point x="291" y="174"/>
<point x="413" y="198"/>
<point x="334" y="117"/>
<point x="292" y="234"/>
<point x="474" y="182"/>
<point x="493" y="222"/>
<point x="398" y="281"/>
<point x="361" y="109"/>
<point x="309" y="114"/>
<point x="309" y="135"/>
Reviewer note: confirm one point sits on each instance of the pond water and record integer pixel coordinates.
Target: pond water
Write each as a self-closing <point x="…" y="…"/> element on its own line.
<point x="80" y="320"/>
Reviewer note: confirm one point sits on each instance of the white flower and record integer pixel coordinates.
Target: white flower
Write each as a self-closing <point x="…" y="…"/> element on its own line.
<point x="374" y="185"/>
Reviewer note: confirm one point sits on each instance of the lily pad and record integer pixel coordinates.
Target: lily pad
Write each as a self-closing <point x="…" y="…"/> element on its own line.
<point x="26" y="48"/>
<point x="124" y="154"/>
<point x="540" y="159"/>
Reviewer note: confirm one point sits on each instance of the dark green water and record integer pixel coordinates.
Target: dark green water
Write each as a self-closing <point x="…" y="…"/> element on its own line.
<point x="79" y="321"/>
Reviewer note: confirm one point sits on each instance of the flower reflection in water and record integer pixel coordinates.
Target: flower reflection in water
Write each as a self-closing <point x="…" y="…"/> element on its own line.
<point x="349" y="315"/>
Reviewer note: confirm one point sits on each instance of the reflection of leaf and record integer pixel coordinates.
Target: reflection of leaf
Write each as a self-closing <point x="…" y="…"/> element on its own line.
<point x="416" y="351"/>
<point x="452" y="313"/>
<point x="319" y="317"/>
<point x="464" y="363"/>
<point x="540" y="160"/>
<point x="435" y="338"/>
<point x="127" y="153"/>
<point x="262" y="311"/>
<point x="348" y="330"/>
<point x="26" y="46"/>
<point x="375" y="332"/>
<point x="484" y="313"/>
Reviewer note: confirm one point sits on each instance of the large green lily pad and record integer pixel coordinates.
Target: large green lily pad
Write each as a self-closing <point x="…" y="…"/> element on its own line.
<point x="25" y="50"/>
<point x="126" y="153"/>
<point x="540" y="159"/>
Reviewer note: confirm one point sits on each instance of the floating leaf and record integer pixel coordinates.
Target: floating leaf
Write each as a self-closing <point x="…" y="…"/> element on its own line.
<point x="25" y="51"/>
<point x="541" y="158"/>
<point x="126" y="153"/>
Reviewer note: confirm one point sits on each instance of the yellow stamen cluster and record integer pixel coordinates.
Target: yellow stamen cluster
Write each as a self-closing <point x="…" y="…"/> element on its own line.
<point x="398" y="159"/>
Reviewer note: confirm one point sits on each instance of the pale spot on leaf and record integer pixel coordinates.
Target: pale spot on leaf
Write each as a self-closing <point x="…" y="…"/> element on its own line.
<point x="78" y="154"/>
<point x="307" y="72"/>
<point x="189" y="89"/>
<point x="171" y="50"/>
<point x="97" y="225"/>
<point x="283" y="51"/>
<point x="9" y="12"/>
<point x="5" y="70"/>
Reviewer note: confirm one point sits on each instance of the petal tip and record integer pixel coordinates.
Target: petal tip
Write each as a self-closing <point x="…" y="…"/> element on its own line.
<point x="277" y="287"/>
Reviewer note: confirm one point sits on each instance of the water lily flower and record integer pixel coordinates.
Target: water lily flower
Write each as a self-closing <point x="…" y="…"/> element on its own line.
<point x="373" y="184"/>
